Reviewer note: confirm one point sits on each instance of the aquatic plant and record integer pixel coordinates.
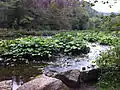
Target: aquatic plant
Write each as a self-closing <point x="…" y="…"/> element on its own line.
<point x="41" y="47"/>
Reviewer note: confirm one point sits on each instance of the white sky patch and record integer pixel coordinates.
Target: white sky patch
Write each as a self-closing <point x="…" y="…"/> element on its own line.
<point x="99" y="6"/>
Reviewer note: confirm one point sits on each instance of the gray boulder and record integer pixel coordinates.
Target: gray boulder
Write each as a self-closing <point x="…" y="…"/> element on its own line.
<point x="90" y="76"/>
<point x="6" y="85"/>
<point x="77" y="79"/>
<point x="43" y="83"/>
<point x="70" y="78"/>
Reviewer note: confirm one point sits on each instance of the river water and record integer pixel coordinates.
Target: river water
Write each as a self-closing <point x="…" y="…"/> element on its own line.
<point x="81" y="62"/>
<point x="22" y="73"/>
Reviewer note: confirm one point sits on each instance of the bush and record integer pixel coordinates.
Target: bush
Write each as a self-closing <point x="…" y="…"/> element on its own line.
<point x="108" y="40"/>
<point x="110" y="65"/>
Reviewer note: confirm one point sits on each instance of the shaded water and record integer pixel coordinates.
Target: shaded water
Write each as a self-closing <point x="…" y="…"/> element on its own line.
<point x="22" y="73"/>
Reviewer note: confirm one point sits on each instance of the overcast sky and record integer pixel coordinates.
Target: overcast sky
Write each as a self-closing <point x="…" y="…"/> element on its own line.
<point x="105" y="7"/>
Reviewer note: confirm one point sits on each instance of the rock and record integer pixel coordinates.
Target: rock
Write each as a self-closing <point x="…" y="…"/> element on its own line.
<point x="6" y="85"/>
<point x="50" y="70"/>
<point x="1" y="59"/>
<point x="70" y="78"/>
<point x="90" y="76"/>
<point x="72" y="74"/>
<point x="77" y="79"/>
<point x="43" y="83"/>
<point x="83" y="68"/>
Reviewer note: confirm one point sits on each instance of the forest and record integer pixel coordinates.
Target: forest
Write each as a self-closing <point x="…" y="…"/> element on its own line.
<point x="66" y="40"/>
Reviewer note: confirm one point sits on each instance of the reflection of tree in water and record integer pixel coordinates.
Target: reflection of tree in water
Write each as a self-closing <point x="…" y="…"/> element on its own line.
<point x="18" y="72"/>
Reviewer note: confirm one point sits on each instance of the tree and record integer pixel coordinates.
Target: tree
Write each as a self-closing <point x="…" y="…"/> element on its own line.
<point x="14" y="11"/>
<point x="58" y="14"/>
<point x="47" y="14"/>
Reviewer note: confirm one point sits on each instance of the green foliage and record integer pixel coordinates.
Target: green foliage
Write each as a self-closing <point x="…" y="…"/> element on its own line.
<point x="110" y="64"/>
<point x="4" y="45"/>
<point x="79" y="18"/>
<point x="110" y="80"/>
<point x="44" y="47"/>
<point x="30" y="46"/>
<point x="91" y="37"/>
<point x="15" y="13"/>
<point x="115" y="23"/>
<point x="95" y="22"/>
<point x="110" y="58"/>
<point x="30" y="15"/>
<point x="26" y="21"/>
<point x="106" y="23"/>
<point x="110" y="23"/>
<point x="108" y="40"/>
<point x="71" y="44"/>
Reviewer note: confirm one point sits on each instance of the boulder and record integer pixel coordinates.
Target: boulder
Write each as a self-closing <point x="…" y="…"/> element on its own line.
<point x="70" y="78"/>
<point x="90" y="76"/>
<point x="6" y="85"/>
<point x="77" y="79"/>
<point x="43" y="83"/>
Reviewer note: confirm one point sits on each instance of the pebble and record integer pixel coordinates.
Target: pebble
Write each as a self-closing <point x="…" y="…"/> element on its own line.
<point x="83" y="68"/>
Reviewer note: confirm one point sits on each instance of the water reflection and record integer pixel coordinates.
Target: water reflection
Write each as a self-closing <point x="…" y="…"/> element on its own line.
<point x="21" y="73"/>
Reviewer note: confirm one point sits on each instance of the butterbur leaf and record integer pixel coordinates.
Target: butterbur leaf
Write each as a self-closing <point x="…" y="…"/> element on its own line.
<point x="73" y="47"/>
<point x="68" y="46"/>
<point x="49" y="55"/>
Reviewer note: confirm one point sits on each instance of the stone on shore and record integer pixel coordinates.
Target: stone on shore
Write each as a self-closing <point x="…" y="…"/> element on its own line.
<point x="43" y="83"/>
<point x="6" y="85"/>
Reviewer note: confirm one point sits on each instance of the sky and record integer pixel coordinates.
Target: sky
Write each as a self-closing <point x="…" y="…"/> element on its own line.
<point x="99" y="6"/>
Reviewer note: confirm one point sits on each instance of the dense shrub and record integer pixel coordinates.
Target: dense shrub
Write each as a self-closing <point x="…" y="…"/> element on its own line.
<point x="110" y="65"/>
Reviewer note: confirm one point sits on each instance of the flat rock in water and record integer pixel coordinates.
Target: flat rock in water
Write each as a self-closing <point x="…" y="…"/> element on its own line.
<point x="44" y="83"/>
<point x="6" y="85"/>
